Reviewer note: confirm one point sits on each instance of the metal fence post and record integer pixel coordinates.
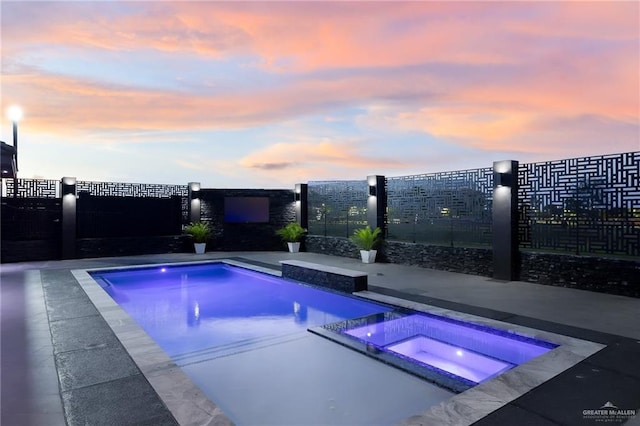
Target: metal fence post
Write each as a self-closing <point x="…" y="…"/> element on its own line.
<point x="301" y="199"/>
<point x="69" y="211"/>
<point x="194" y="202"/>
<point x="377" y="203"/>
<point x="505" y="220"/>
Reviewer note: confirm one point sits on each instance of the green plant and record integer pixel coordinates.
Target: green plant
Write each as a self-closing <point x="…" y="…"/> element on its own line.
<point x="366" y="238"/>
<point x="292" y="233"/>
<point x="199" y="231"/>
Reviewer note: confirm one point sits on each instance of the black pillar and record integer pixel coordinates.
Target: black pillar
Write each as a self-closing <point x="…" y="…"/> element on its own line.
<point x="194" y="202"/>
<point x="301" y="199"/>
<point x="68" y="192"/>
<point x="377" y="203"/>
<point x="505" y="220"/>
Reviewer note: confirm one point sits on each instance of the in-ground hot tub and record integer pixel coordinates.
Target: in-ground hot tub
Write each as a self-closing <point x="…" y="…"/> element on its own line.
<point x="455" y="354"/>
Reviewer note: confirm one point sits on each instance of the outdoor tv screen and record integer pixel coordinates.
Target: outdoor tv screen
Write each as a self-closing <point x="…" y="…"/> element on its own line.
<point x="246" y="209"/>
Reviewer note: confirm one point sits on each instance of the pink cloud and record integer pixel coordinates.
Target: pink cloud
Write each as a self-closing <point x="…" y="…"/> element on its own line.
<point x="55" y="101"/>
<point x="281" y="156"/>
<point x="319" y="35"/>
<point x="313" y="160"/>
<point x="480" y="74"/>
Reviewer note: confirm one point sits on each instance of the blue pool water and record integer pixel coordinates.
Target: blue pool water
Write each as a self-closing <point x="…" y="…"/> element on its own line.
<point x="198" y="312"/>
<point x="190" y="309"/>
<point x="453" y="353"/>
<point x="242" y="337"/>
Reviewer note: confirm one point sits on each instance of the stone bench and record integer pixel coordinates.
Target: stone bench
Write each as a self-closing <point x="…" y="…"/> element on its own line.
<point x="341" y="279"/>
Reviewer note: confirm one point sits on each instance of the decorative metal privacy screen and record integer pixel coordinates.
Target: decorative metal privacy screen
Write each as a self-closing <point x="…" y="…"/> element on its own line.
<point x="448" y="208"/>
<point x="337" y="208"/>
<point x="31" y="188"/>
<point x="146" y="190"/>
<point x="122" y="189"/>
<point x="581" y="205"/>
<point x="49" y="188"/>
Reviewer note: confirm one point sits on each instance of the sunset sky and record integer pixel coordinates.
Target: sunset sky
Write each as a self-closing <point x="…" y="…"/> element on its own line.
<point x="267" y="94"/>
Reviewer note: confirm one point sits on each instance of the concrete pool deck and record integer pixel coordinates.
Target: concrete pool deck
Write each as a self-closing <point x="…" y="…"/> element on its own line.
<point x="43" y="321"/>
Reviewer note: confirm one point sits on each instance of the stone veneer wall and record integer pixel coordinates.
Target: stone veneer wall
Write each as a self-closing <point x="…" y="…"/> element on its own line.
<point x="473" y="261"/>
<point x="338" y="279"/>
<point x="455" y="259"/>
<point x="247" y="236"/>
<point x="606" y="275"/>
<point x="334" y="246"/>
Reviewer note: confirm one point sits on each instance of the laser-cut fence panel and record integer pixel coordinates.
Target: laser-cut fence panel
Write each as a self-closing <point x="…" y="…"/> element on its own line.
<point x="147" y="190"/>
<point x="31" y="188"/>
<point x="337" y="208"/>
<point x="587" y="205"/>
<point x="122" y="189"/>
<point x="447" y="208"/>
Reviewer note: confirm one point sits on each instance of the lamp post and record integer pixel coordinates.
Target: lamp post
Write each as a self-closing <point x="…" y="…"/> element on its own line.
<point x="14" y="113"/>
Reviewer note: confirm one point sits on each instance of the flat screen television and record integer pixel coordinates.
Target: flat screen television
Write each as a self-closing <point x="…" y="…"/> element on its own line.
<point x="246" y="209"/>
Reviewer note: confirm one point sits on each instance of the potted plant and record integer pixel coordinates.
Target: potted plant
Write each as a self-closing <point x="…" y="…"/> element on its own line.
<point x="367" y="240"/>
<point x="200" y="232"/>
<point x="292" y="235"/>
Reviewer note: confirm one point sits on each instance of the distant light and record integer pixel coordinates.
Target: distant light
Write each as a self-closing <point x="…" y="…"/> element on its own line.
<point x="14" y="113"/>
<point x="163" y="269"/>
<point x="459" y="353"/>
<point x="368" y="334"/>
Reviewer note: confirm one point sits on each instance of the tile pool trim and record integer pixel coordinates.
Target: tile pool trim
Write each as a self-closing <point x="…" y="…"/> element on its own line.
<point x="340" y="332"/>
<point x="191" y="407"/>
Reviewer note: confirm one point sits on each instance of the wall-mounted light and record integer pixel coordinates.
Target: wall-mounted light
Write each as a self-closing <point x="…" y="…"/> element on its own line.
<point x="68" y="185"/>
<point x="194" y="187"/>
<point x="372" y="181"/>
<point x="502" y="179"/>
<point x="68" y="180"/>
<point x="297" y="192"/>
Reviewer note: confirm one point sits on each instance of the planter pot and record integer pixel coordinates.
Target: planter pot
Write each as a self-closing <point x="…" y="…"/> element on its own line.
<point x="200" y="247"/>
<point x="294" y="247"/>
<point x="368" y="256"/>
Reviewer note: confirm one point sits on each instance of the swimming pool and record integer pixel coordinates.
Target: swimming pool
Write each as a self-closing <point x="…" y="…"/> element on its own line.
<point x="302" y="378"/>
<point x="194" y="311"/>
<point x="199" y="311"/>
<point x="241" y="337"/>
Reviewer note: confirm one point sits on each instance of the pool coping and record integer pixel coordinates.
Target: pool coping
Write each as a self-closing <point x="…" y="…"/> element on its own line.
<point x="186" y="402"/>
<point x="190" y="406"/>
<point x="340" y="332"/>
<point x="481" y="400"/>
